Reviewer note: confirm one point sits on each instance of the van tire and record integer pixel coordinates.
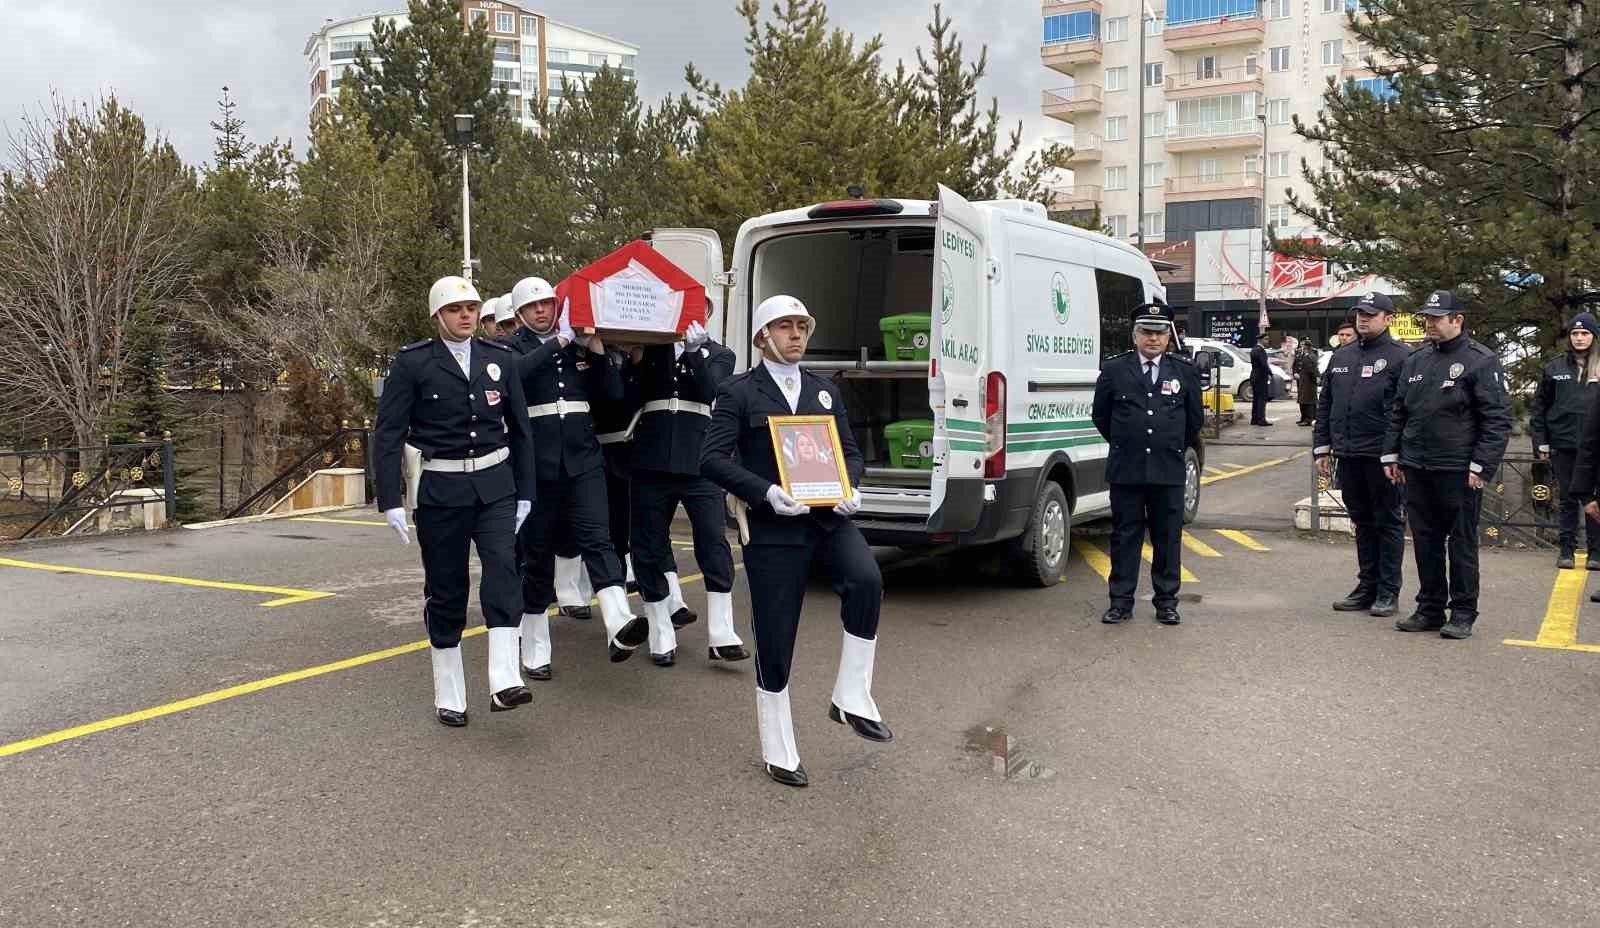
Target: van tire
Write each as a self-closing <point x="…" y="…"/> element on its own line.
<point x="1191" y="485"/>
<point x="1040" y="553"/>
<point x="1244" y="392"/>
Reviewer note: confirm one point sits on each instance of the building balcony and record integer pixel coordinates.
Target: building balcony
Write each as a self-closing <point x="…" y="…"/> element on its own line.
<point x="1215" y="136"/>
<point x="1239" y="29"/>
<point x="1072" y="54"/>
<point x="1218" y="81"/>
<point x="1057" y="7"/>
<point x="1068" y="102"/>
<point x="1077" y="198"/>
<point x="1086" y="146"/>
<point x="1214" y="187"/>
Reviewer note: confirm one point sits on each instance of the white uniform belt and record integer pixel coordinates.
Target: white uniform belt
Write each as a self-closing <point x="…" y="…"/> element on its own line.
<point x="611" y="438"/>
<point x="558" y="408"/>
<point x="466" y="465"/>
<point x="677" y="405"/>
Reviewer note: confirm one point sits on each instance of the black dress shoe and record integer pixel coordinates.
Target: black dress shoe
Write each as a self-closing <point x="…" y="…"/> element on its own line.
<point x="728" y="652"/>
<point x="1359" y="600"/>
<point x="1385" y="606"/>
<point x="866" y="728"/>
<point x="452" y="718"/>
<point x="1415" y="622"/>
<point x="1565" y="561"/>
<point x="634" y="633"/>
<point x="667" y="659"/>
<point x="618" y="655"/>
<point x="1116" y="616"/>
<point x="510" y="698"/>
<point x="541" y="672"/>
<point x="1168" y="616"/>
<point x="1456" y="630"/>
<point x="1593" y="561"/>
<point x="795" y="777"/>
<point x="684" y="616"/>
<point x="581" y="613"/>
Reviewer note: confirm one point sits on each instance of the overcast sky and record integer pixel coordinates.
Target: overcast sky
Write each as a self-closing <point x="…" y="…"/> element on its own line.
<point x="169" y="60"/>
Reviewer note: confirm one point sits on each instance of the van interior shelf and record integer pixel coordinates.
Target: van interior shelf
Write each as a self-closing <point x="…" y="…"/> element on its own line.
<point x="899" y="477"/>
<point x="909" y="370"/>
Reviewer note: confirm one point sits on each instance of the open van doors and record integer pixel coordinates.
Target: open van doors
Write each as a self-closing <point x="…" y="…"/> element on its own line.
<point x="957" y="392"/>
<point x="699" y="253"/>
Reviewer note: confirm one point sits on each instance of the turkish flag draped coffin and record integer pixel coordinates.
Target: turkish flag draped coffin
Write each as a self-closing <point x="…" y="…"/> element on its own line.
<point x="633" y="296"/>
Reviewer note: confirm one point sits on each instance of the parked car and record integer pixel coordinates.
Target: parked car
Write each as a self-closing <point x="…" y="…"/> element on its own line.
<point x="1233" y="369"/>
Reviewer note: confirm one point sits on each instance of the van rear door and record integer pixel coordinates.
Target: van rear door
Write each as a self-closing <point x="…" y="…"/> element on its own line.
<point x="956" y="376"/>
<point x="699" y="253"/>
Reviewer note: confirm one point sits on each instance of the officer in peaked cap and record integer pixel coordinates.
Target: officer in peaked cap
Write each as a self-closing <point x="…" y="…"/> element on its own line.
<point x="1448" y="427"/>
<point x="1147" y="406"/>
<point x="786" y="535"/>
<point x="1555" y="423"/>
<point x="1352" y="417"/>
<point x="457" y="400"/>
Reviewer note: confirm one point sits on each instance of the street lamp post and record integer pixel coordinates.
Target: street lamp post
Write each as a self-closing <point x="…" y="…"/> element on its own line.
<point x="463" y="142"/>
<point x="1262" y="322"/>
<point x="1138" y="219"/>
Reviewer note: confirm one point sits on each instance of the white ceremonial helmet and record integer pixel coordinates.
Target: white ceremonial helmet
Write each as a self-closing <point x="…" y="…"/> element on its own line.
<point x="774" y="308"/>
<point x="531" y="290"/>
<point x="490" y="308"/>
<point x="452" y="289"/>
<point x="502" y="309"/>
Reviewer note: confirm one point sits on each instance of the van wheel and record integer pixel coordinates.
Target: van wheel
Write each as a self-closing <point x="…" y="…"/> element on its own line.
<point x="1191" y="486"/>
<point x="1245" y="392"/>
<point x="1040" y="555"/>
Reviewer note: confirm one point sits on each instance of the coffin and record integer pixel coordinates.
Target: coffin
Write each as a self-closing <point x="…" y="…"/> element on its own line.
<point x="632" y="296"/>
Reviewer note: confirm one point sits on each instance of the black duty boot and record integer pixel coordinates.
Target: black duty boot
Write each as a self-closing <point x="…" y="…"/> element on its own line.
<point x="1593" y="560"/>
<point x="1565" y="560"/>
<point x="1385" y="605"/>
<point x="1417" y="622"/>
<point x="1359" y="600"/>
<point x="1457" y="628"/>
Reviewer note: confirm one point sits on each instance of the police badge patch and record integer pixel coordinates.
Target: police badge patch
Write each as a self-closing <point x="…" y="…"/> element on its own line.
<point x="493" y="370"/>
<point x="1456" y="369"/>
<point x="826" y="399"/>
<point x="1380" y="364"/>
<point x="492" y="397"/>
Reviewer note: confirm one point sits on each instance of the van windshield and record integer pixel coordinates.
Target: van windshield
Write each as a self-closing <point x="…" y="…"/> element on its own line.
<point x="849" y="279"/>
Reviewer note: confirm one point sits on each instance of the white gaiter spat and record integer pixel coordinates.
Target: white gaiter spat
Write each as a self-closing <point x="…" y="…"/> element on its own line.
<point x="614" y="612"/>
<point x="674" y="592"/>
<point x="852" y="688"/>
<point x="777" y="729"/>
<point x="719" y="621"/>
<point x="569" y="585"/>
<point x="663" y="637"/>
<point x="535" y="640"/>
<point x="503" y="674"/>
<point x="449" y="679"/>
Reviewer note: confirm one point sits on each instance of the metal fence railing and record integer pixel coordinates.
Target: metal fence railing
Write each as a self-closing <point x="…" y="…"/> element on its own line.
<point x="51" y="491"/>
<point x="349" y="446"/>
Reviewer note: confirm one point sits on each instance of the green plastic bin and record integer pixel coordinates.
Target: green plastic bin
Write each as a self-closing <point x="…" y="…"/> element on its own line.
<point x="910" y="443"/>
<point x="906" y="337"/>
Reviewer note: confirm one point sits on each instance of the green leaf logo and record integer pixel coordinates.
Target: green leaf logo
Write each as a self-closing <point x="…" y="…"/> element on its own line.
<point x="1060" y="299"/>
<point x="947" y="293"/>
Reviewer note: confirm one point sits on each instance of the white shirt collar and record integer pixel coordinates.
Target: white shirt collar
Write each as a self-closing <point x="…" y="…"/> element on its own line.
<point x="787" y="376"/>
<point x="462" y="352"/>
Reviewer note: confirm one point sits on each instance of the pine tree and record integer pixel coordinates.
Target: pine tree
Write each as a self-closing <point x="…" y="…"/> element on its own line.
<point x="145" y="410"/>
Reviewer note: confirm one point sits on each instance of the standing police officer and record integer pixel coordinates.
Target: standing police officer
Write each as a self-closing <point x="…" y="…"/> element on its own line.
<point x="1555" y="424"/>
<point x="558" y="377"/>
<point x="1260" y="382"/>
<point x="457" y="400"/>
<point x="1147" y="405"/>
<point x="1352" y="417"/>
<point x="1448" y="427"/>
<point x="785" y="535"/>
<point x="677" y="384"/>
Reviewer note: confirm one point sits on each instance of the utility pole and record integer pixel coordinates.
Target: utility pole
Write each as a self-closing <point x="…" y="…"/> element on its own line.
<point x="1138" y="219"/>
<point x="1262" y="322"/>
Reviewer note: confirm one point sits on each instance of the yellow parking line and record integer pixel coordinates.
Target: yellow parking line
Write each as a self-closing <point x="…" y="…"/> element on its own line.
<point x="1559" y="630"/>
<point x="340" y="521"/>
<point x="1199" y="547"/>
<point x="1241" y="471"/>
<point x="1213" y="470"/>
<point x="1242" y="539"/>
<point x="289" y="595"/>
<point x="1094" y="557"/>
<point x="243" y="689"/>
<point x="1183" y="572"/>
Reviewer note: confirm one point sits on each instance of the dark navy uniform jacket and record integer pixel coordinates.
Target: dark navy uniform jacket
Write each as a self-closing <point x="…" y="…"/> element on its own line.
<point x="739" y="428"/>
<point x="564" y="446"/>
<point x="1556" y="416"/>
<point x="1357" y="388"/>
<point x="612" y="418"/>
<point x="429" y="404"/>
<point x="670" y="442"/>
<point x="1149" y="425"/>
<point x="1451" y="411"/>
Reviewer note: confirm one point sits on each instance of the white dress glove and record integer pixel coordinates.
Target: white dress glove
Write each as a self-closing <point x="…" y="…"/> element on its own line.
<point x="849" y="506"/>
<point x="784" y="504"/>
<point x="397" y="521"/>
<point x="695" y="336"/>
<point x="523" y="508"/>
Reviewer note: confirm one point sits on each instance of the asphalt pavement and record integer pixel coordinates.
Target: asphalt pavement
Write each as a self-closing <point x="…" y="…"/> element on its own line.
<point x="255" y="752"/>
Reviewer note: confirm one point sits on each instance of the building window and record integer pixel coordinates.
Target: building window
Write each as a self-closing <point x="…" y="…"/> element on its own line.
<point x="1116" y="79"/>
<point x="1381" y="87"/>
<point x="1116" y="128"/>
<point x="1071" y="27"/>
<point x="1278" y="215"/>
<point x="530" y="55"/>
<point x="597" y="59"/>
<point x="1252" y="167"/>
<point x="1280" y="58"/>
<point x="1251" y="64"/>
<point x="1205" y="67"/>
<point x="630" y="62"/>
<point x="1225" y="114"/>
<point x="1152" y="74"/>
<point x="1278" y="112"/>
<point x="530" y="83"/>
<point x="1152" y="25"/>
<point x="505" y="23"/>
<point x="1116" y="29"/>
<point x="477" y="16"/>
<point x="558" y="56"/>
<point x="1333" y="52"/>
<point x="1210" y="169"/>
<point x="1155" y="124"/>
<point x="1278" y="10"/>
<point x="1153" y="173"/>
<point x="1117" y="226"/>
<point x="1186" y="12"/>
<point x="505" y="50"/>
<point x="530" y="26"/>
<point x="505" y="74"/>
<point x="1153" y="224"/>
<point x="1278" y="164"/>
<point x="1332" y="6"/>
<point x="1117" y="178"/>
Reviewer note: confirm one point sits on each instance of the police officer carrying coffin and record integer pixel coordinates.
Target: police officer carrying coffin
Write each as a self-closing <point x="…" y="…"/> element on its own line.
<point x="677" y="384"/>
<point x="1147" y="406"/>
<point x="785" y="536"/>
<point x="1448" y="427"/>
<point x="1555" y="423"/>
<point x="558" y="377"/>
<point x="457" y="400"/>
<point x="1352" y="417"/>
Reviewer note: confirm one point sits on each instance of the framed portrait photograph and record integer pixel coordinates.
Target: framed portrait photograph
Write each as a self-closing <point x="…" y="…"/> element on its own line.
<point x="810" y="460"/>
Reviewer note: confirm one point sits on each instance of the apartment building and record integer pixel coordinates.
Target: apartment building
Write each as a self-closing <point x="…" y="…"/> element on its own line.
<point x="534" y="56"/>
<point x="1220" y="82"/>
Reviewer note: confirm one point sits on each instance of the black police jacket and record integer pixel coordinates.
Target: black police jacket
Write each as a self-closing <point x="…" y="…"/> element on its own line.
<point x="1555" y="422"/>
<point x="1450" y="410"/>
<point x="738" y="454"/>
<point x="429" y="404"/>
<point x="564" y="445"/>
<point x="1149" y="425"/>
<point x="613" y="417"/>
<point x="1357" y="388"/>
<point x="1260" y="366"/>
<point x="666" y="441"/>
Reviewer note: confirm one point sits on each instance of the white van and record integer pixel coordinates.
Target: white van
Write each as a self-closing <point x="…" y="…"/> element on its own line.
<point x="1016" y="303"/>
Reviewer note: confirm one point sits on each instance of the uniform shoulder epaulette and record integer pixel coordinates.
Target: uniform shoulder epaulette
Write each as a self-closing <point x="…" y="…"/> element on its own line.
<point x="415" y="345"/>
<point x="1180" y="356"/>
<point x="1481" y="348"/>
<point x="493" y="343"/>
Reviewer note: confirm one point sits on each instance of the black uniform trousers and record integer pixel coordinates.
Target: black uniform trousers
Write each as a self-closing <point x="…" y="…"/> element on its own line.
<point x="656" y="496"/>
<point x="1563" y="460"/>
<point x="566" y="544"/>
<point x="1260" y="392"/>
<point x="1136" y="507"/>
<point x="1377" y="510"/>
<point x="582" y="501"/>
<point x="777" y="576"/>
<point x="444" y="533"/>
<point x="1444" y="529"/>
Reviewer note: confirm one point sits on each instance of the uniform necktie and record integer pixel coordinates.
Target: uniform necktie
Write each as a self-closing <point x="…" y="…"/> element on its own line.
<point x="1150" y="372"/>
